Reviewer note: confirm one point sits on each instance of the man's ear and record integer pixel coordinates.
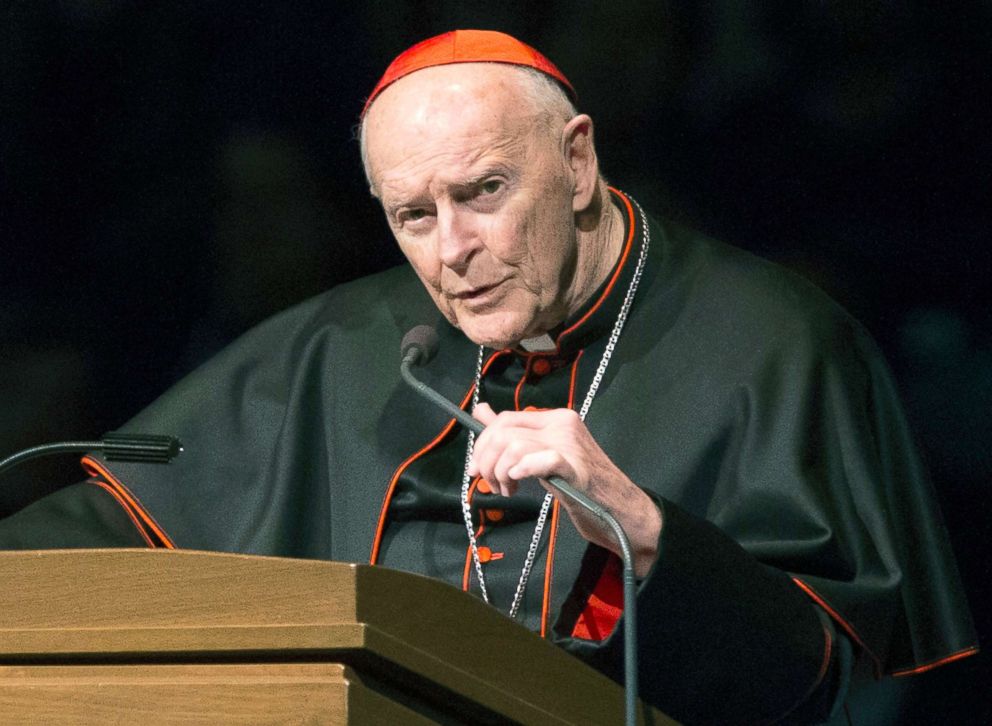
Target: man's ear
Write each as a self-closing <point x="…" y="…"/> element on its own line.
<point x="580" y="155"/>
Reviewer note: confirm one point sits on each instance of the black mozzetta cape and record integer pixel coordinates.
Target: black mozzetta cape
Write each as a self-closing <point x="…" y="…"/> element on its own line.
<point x="758" y="415"/>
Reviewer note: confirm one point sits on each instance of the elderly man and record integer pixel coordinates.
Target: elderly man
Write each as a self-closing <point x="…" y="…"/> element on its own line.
<point x="736" y="422"/>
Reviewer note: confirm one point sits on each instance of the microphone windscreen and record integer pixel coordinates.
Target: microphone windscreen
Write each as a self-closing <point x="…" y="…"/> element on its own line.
<point x="424" y="339"/>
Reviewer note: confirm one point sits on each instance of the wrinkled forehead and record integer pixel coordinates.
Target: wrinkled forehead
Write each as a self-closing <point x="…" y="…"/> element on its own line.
<point x="480" y="90"/>
<point x="448" y="109"/>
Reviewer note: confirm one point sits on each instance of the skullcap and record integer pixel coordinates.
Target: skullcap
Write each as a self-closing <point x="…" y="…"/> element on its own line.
<point x="467" y="46"/>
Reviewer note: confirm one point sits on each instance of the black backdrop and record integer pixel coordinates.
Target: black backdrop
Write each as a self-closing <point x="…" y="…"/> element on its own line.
<point x="173" y="172"/>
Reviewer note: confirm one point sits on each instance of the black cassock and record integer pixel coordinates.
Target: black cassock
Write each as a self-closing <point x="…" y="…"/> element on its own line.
<point x="800" y="535"/>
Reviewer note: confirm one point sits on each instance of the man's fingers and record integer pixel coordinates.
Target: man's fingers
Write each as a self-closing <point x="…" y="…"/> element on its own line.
<point x="541" y="464"/>
<point x="494" y="441"/>
<point x="521" y="444"/>
<point x="495" y="453"/>
<point x="527" y="419"/>
<point x="484" y="413"/>
<point x="510" y="454"/>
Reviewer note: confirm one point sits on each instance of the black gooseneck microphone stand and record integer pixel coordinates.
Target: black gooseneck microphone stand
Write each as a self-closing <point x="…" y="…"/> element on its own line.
<point x="142" y="448"/>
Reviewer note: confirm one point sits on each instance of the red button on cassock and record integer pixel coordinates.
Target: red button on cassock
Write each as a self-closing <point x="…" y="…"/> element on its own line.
<point x="541" y="366"/>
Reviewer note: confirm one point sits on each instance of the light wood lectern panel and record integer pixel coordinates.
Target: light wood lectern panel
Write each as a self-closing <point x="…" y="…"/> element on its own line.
<point x="138" y="636"/>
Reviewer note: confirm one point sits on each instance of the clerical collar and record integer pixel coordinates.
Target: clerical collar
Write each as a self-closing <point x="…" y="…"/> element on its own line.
<point x="596" y="317"/>
<point x="541" y="344"/>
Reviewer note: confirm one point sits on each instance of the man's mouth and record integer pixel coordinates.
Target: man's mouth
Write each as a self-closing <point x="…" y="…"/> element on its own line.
<point x="477" y="294"/>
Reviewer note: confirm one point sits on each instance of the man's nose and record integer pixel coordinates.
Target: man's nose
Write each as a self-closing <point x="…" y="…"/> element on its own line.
<point x="458" y="237"/>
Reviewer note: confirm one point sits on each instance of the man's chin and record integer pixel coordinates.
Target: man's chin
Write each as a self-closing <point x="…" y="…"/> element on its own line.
<point x="495" y="330"/>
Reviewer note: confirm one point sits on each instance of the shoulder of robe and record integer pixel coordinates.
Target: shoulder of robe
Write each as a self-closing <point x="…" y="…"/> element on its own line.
<point x="356" y="318"/>
<point x="749" y="301"/>
<point x="81" y="515"/>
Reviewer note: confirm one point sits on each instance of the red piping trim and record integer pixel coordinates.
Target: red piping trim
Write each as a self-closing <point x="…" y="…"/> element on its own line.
<point x="616" y="273"/>
<point x="847" y="627"/>
<point x="384" y="511"/>
<point x="466" y="570"/>
<point x="467" y="575"/>
<point x="127" y="510"/>
<point x="520" y="384"/>
<point x="828" y="648"/>
<point x="549" y="563"/>
<point x="573" y="378"/>
<point x="97" y="469"/>
<point x="381" y="525"/>
<point x="549" y="568"/>
<point x="824" y="667"/>
<point x="972" y="650"/>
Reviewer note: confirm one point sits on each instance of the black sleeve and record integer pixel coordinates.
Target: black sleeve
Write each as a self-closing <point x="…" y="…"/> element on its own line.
<point x="722" y="637"/>
<point x="79" y="516"/>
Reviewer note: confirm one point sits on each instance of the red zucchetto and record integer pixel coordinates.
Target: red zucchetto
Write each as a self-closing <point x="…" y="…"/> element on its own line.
<point x="467" y="46"/>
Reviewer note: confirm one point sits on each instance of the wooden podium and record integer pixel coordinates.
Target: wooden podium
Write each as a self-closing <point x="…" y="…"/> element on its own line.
<point x="141" y="636"/>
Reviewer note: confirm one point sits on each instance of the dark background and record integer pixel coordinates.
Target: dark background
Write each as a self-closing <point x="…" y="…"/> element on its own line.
<point x="171" y="173"/>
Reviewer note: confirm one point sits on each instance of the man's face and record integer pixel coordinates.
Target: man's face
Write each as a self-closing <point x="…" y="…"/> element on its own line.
<point x="478" y="195"/>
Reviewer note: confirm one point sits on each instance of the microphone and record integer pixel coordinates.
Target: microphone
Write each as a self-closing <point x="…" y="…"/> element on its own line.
<point x="420" y="342"/>
<point x="418" y="347"/>
<point x="115" y="446"/>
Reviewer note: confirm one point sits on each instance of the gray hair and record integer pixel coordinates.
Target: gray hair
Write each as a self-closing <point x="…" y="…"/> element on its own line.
<point x="553" y="109"/>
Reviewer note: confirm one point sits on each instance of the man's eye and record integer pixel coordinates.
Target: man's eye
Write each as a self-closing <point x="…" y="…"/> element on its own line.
<point x="490" y="187"/>
<point x="412" y="215"/>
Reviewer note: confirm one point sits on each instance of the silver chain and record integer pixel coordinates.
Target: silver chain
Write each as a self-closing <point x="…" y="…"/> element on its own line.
<point x="535" y="540"/>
